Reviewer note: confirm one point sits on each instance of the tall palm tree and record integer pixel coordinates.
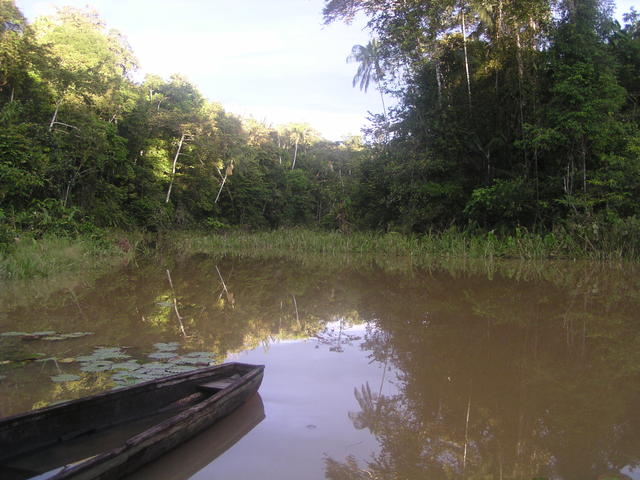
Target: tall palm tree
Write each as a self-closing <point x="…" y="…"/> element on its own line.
<point x="368" y="58"/>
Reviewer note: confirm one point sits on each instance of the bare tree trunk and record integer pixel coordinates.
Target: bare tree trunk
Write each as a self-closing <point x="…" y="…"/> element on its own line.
<point x="279" y="150"/>
<point x="55" y="115"/>
<point x="72" y="181"/>
<point x="498" y="33"/>
<point x="466" y="56"/>
<point x="384" y="108"/>
<point x="439" y="83"/>
<point x="295" y="154"/>
<point x="583" y="154"/>
<point x="499" y="26"/>
<point x="66" y="193"/>
<point x="224" y="179"/>
<point x="173" y="172"/>
<point x="520" y="80"/>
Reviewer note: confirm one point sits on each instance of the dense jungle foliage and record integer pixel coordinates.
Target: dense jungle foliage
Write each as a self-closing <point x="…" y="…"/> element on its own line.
<point x="507" y="115"/>
<point x="82" y="145"/>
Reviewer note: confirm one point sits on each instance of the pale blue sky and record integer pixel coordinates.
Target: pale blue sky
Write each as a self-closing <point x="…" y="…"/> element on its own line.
<point x="273" y="60"/>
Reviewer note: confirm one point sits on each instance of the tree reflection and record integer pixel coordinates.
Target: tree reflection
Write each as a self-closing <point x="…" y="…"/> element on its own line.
<point x="549" y="362"/>
<point x="501" y="380"/>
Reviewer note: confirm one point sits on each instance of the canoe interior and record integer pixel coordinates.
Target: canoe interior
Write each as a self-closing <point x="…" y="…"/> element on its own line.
<point x="189" y="458"/>
<point x="42" y="440"/>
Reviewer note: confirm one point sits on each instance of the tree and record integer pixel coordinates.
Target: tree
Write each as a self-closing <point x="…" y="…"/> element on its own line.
<point x="88" y="63"/>
<point x="14" y="46"/>
<point x="369" y="68"/>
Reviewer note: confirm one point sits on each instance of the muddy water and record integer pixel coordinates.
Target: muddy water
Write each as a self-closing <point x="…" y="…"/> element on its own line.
<point x="526" y="372"/>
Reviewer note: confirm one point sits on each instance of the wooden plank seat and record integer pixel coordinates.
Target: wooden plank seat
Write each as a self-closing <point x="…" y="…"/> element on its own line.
<point x="217" y="385"/>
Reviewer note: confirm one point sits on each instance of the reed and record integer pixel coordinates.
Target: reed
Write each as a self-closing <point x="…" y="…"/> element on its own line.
<point x="424" y="249"/>
<point x="90" y="254"/>
<point x="31" y="258"/>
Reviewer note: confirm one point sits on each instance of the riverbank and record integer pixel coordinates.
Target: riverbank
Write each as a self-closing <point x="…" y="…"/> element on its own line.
<point x="91" y="255"/>
<point x="51" y="255"/>
<point x="427" y="248"/>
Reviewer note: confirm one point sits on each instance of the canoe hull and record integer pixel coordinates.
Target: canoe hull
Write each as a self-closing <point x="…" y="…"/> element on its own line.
<point x="152" y="442"/>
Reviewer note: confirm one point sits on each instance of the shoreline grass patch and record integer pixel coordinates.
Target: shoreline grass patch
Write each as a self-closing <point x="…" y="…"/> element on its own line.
<point x="421" y="249"/>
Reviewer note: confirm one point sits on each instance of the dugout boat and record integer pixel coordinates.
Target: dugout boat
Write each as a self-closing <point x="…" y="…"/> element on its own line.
<point x="109" y="435"/>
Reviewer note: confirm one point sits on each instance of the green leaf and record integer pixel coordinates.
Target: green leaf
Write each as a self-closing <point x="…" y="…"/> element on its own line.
<point x="162" y="355"/>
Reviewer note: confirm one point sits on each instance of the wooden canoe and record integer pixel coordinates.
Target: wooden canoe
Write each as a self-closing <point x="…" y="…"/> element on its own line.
<point x="109" y="435"/>
<point x="189" y="458"/>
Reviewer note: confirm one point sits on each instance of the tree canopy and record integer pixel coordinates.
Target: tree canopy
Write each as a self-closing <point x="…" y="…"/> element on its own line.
<point x="507" y="115"/>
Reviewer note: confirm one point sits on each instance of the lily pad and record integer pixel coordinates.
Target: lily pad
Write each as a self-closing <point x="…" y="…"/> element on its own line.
<point x="153" y="366"/>
<point x="109" y="353"/>
<point x="199" y="354"/>
<point x="44" y="334"/>
<point x="181" y="368"/>
<point x="125" y="366"/>
<point x="54" y="338"/>
<point x="99" y="366"/>
<point x="79" y="334"/>
<point x="194" y="361"/>
<point x="153" y="374"/>
<point x="108" y="349"/>
<point x="86" y="358"/>
<point x="65" y="377"/>
<point x="13" y="334"/>
<point x="136" y="376"/>
<point x="162" y="355"/>
<point x="166" y="346"/>
<point x="122" y="384"/>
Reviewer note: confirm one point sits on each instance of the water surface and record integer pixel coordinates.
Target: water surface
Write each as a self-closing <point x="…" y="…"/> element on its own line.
<point x="522" y="372"/>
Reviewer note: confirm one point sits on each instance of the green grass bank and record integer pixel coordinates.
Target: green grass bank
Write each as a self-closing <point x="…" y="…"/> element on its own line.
<point x="425" y="248"/>
<point x="90" y="255"/>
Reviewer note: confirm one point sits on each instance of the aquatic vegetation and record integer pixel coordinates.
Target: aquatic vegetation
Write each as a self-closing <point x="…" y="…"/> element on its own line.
<point x="126" y="370"/>
<point x="52" y="255"/>
<point x="111" y="366"/>
<point x="419" y="250"/>
<point x="49" y="335"/>
<point x="162" y="355"/>
<point x="13" y="334"/>
<point x="97" y="366"/>
<point x="65" y="377"/>
<point x="127" y="365"/>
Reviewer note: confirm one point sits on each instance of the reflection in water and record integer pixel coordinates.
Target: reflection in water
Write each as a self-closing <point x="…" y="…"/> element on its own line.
<point x="513" y="376"/>
<point x="175" y="305"/>
<point x="192" y="456"/>
<point x="504" y="380"/>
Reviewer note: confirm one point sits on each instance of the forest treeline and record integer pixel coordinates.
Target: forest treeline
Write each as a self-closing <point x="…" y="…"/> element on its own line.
<point x="510" y="114"/>
<point x="506" y="115"/>
<point x="83" y="145"/>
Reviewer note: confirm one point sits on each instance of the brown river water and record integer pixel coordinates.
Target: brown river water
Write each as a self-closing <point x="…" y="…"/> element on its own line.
<point x="514" y="372"/>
